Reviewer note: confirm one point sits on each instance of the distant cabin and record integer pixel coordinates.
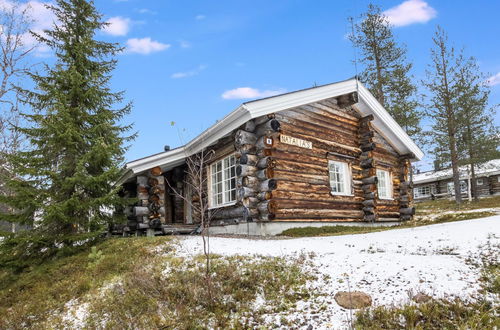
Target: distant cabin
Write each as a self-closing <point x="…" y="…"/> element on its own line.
<point x="439" y="183"/>
<point x="325" y="155"/>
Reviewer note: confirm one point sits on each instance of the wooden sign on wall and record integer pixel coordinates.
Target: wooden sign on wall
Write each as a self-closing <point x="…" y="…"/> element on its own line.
<point x="296" y="141"/>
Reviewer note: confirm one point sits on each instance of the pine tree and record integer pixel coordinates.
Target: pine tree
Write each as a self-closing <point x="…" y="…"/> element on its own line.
<point x="386" y="70"/>
<point x="479" y="138"/>
<point x="64" y="185"/>
<point x="443" y="107"/>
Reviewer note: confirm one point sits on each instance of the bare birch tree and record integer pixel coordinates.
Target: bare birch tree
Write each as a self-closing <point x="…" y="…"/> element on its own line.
<point x="196" y="179"/>
<point x="15" y="21"/>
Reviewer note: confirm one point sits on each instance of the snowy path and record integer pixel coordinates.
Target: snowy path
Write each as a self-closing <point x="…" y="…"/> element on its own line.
<point x="386" y="265"/>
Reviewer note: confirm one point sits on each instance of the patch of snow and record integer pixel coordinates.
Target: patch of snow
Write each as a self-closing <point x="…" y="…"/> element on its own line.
<point x="389" y="265"/>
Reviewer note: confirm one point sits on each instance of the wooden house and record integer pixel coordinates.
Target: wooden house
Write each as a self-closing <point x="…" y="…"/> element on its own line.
<point x="323" y="155"/>
<point x="439" y="184"/>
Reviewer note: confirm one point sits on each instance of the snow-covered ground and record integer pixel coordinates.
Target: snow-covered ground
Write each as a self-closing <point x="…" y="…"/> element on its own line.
<point x="387" y="265"/>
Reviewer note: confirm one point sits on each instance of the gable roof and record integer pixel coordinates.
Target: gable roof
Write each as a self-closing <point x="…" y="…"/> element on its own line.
<point x="491" y="167"/>
<point x="367" y="104"/>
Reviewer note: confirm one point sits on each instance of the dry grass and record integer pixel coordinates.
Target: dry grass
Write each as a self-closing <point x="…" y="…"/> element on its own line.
<point x="442" y="205"/>
<point x="140" y="283"/>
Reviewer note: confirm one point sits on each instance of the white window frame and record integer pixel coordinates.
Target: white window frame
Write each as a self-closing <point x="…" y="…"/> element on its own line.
<point x="344" y="178"/>
<point x="479" y="182"/>
<point x="417" y="191"/>
<point x="387" y="184"/>
<point x="225" y="178"/>
<point x="450" y="186"/>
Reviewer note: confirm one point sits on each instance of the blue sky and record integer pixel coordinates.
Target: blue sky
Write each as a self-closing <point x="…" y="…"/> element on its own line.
<point x="192" y="62"/>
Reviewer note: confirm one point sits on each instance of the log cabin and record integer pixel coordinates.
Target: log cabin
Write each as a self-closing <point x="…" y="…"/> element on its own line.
<point x="438" y="184"/>
<point x="324" y="155"/>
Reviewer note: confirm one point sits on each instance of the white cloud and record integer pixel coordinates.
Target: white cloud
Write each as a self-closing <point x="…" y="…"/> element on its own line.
<point x="117" y="26"/>
<point x="185" y="44"/>
<point x="146" y="11"/>
<point x="410" y="12"/>
<point x="42" y="18"/>
<point x="249" y="93"/>
<point x="494" y="80"/>
<point x="145" y="46"/>
<point x="200" y="17"/>
<point x="190" y="73"/>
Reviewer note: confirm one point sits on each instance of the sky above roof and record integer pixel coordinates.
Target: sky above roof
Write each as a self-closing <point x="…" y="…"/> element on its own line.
<point x="191" y="63"/>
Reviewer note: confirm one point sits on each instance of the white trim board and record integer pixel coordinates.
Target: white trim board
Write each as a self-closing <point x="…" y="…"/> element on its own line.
<point x="367" y="104"/>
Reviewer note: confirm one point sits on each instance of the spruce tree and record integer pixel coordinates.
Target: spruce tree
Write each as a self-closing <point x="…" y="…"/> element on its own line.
<point x="443" y="107"/>
<point x="479" y="138"/>
<point x="65" y="181"/>
<point x="386" y="71"/>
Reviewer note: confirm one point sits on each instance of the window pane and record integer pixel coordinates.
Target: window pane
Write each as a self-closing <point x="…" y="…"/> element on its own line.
<point x="339" y="177"/>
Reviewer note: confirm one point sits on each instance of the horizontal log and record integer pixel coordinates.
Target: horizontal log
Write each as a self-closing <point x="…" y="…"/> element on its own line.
<point x="368" y="147"/>
<point x="367" y="118"/>
<point x="267" y="217"/>
<point x="265" y="174"/>
<point x="370" y="217"/>
<point x="266" y="207"/>
<point x="156" y="171"/>
<point x="244" y="192"/>
<point x="369" y="202"/>
<point x="317" y="204"/>
<point x="251" y="182"/>
<point x="243" y="137"/>
<point x="249" y="126"/>
<point x="310" y="196"/>
<point x="262" y="119"/>
<point x="140" y="211"/>
<point x="264" y="195"/>
<point x="142" y="180"/>
<point x="228" y="212"/>
<point x="247" y="148"/>
<point x="367" y="163"/>
<point x="369" y="195"/>
<point x="252" y="213"/>
<point x="248" y="159"/>
<point x="265" y="141"/>
<point x="250" y="202"/>
<point x="268" y="185"/>
<point x="369" y="210"/>
<point x="369" y="188"/>
<point x="347" y="100"/>
<point x="370" y="180"/>
<point x="266" y="162"/>
<point x="245" y="170"/>
<point x="268" y="127"/>
<point x="319" y="212"/>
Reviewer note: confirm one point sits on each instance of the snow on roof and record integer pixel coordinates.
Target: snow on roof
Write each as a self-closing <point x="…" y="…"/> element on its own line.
<point x="491" y="167"/>
<point x="367" y="104"/>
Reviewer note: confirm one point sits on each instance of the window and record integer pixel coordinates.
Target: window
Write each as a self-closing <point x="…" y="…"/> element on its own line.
<point x="340" y="178"/>
<point x="384" y="185"/>
<point x="479" y="182"/>
<point x="451" y="187"/>
<point x="423" y="191"/>
<point x="223" y="182"/>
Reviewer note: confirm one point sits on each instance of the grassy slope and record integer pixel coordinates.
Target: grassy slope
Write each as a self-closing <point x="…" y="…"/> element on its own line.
<point x="443" y="205"/>
<point x="128" y="285"/>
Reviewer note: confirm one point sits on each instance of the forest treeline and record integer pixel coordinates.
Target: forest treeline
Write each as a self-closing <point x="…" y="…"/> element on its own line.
<point x="62" y="140"/>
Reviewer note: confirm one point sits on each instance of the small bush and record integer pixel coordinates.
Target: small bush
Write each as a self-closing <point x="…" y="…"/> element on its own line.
<point x="175" y="293"/>
<point x="461" y="216"/>
<point x="435" y="314"/>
